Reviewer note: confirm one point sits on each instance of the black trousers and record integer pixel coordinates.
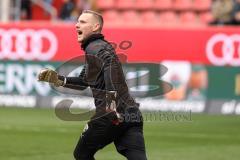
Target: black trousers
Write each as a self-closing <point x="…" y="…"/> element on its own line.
<point x="127" y="137"/>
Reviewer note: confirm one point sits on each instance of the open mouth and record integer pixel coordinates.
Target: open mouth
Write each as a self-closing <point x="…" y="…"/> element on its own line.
<point x="79" y="32"/>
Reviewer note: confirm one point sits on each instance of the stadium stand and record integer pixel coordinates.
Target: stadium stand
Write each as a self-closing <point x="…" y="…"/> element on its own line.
<point x="111" y="17"/>
<point x="125" y="4"/>
<point x="131" y="18"/>
<point x="182" y="5"/>
<point x="38" y="12"/>
<point x="150" y="17"/>
<point x="105" y="4"/>
<point x="144" y="4"/>
<point x="188" y="18"/>
<point x="168" y="18"/>
<point x="163" y="4"/>
<point x="147" y="12"/>
<point x="202" y="5"/>
<point x="206" y="17"/>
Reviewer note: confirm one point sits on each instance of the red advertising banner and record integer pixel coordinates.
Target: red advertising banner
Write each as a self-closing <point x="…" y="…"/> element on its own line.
<point x="58" y="42"/>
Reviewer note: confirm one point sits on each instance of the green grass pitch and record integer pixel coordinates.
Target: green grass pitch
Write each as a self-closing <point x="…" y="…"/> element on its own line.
<point x="37" y="134"/>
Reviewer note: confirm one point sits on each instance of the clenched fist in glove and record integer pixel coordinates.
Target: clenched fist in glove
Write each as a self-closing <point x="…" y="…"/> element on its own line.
<point x="50" y="76"/>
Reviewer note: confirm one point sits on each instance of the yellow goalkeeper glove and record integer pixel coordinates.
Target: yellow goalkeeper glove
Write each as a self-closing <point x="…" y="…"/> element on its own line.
<point x="50" y="76"/>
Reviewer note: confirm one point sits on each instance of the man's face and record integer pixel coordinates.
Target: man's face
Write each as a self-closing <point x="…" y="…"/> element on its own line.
<point x="85" y="26"/>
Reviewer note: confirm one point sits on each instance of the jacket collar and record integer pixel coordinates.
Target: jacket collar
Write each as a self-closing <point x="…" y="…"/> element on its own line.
<point x="90" y="39"/>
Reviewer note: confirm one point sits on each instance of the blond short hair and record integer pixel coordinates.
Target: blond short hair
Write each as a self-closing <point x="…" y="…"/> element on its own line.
<point x="98" y="16"/>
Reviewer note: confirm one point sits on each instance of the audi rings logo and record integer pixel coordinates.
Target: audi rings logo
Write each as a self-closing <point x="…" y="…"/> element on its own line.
<point x="228" y="50"/>
<point x="27" y="44"/>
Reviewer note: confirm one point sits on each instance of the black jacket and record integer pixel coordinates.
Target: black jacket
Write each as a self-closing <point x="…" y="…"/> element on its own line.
<point x="102" y="72"/>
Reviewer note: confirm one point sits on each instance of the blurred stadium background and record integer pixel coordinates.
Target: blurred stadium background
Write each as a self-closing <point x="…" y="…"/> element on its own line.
<point x="198" y="41"/>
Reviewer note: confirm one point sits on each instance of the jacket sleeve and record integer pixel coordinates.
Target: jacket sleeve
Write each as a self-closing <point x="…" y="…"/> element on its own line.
<point x="77" y="83"/>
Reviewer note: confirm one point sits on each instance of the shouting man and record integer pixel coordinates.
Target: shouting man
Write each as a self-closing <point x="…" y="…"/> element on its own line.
<point x="117" y="117"/>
